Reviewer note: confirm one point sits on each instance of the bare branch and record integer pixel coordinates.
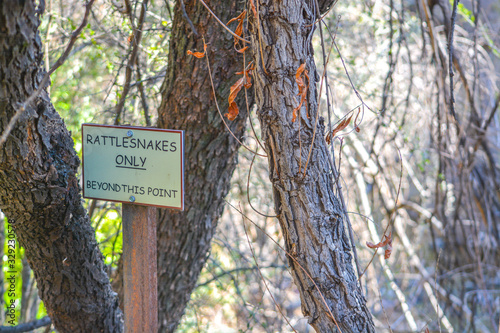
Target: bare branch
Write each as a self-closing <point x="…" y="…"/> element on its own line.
<point x="22" y="107"/>
<point x="188" y="19"/>
<point x="450" y="58"/>
<point x="26" y="327"/>
<point x="136" y="40"/>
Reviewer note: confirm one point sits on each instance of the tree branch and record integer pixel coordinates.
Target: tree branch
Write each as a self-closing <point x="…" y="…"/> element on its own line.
<point x="450" y="57"/>
<point x="22" y="107"/>
<point x="137" y="32"/>
<point x="26" y="327"/>
<point x="325" y="4"/>
<point x="187" y="19"/>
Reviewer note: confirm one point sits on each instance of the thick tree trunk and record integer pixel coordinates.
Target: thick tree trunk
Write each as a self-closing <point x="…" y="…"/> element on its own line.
<point x="309" y="212"/>
<point x="184" y="238"/>
<point x="39" y="189"/>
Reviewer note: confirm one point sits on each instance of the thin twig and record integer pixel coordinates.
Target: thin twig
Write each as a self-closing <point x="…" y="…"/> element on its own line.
<point x="115" y="80"/>
<point x="450" y="57"/>
<point x="136" y="41"/>
<point x="144" y="100"/>
<point x="295" y="260"/>
<point x="485" y="125"/>
<point x="349" y="77"/>
<point x="392" y="214"/>
<point x="248" y="191"/>
<point x="435" y="287"/>
<point x="218" y="109"/>
<point x="273" y="149"/>
<point x="26" y="327"/>
<point x="22" y="107"/>
<point x="324" y="15"/>
<point x="248" y="108"/>
<point x="223" y="25"/>
<point x="317" y="112"/>
<point x="235" y="270"/>
<point x="187" y="18"/>
<point x="327" y="87"/>
<point x="374" y="235"/>
<point x="262" y="276"/>
<point x="348" y="220"/>
<point x="385" y="313"/>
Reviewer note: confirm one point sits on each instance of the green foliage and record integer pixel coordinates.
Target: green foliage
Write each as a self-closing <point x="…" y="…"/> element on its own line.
<point x="464" y="12"/>
<point x="216" y="299"/>
<point x="12" y="268"/>
<point x="107" y="224"/>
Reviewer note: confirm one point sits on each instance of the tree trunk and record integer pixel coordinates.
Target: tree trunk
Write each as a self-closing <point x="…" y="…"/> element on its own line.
<point x="39" y="190"/>
<point x="184" y="238"/>
<point x="309" y="212"/>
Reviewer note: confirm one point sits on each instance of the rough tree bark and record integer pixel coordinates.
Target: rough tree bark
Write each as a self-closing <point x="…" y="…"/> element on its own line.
<point x="211" y="152"/>
<point x="309" y="212"/>
<point x="184" y="238"/>
<point x="39" y="189"/>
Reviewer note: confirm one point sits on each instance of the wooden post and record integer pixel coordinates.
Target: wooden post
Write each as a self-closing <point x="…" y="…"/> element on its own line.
<point x="139" y="268"/>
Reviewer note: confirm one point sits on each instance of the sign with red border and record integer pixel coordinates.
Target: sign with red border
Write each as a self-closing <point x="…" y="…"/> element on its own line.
<point x="134" y="165"/>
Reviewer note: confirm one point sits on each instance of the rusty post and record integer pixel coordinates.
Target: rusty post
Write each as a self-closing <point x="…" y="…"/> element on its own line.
<point x="139" y="268"/>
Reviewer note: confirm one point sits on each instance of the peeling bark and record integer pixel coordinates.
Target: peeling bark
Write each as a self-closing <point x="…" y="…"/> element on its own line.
<point x="39" y="190"/>
<point x="309" y="212"/>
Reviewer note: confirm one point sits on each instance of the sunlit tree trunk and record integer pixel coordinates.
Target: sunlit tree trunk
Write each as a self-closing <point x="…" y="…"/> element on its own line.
<point x="39" y="189"/>
<point x="309" y="212"/>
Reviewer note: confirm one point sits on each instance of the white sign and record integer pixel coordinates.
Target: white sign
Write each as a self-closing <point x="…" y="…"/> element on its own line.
<point x="134" y="165"/>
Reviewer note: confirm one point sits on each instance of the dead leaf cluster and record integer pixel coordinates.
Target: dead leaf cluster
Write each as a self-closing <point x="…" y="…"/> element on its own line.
<point x="387" y="241"/>
<point x="239" y="31"/>
<point x="300" y="77"/>
<point x="244" y="81"/>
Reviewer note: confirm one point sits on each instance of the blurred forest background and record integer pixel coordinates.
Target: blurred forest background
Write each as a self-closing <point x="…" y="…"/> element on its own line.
<point x="429" y="169"/>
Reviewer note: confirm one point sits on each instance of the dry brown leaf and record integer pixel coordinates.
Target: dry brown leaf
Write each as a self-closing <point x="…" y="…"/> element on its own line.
<point x="239" y="30"/>
<point x="300" y="79"/>
<point x="233" y="108"/>
<point x="343" y="124"/>
<point x="233" y="111"/>
<point x="241" y="50"/>
<point x="247" y="72"/>
<point x="388" y="250"/>
<point x="427" y="330"/>
<point x="246" y="82"/>
<point x="382" y="243"/>
<point x="238" y="18"/>
<point x="386" y="242"/>
<point x="199" y="55"/>
<point x="356" y="127"/>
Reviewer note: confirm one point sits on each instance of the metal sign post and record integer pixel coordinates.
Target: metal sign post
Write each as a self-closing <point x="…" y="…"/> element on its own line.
<point x="143" y="168"/>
